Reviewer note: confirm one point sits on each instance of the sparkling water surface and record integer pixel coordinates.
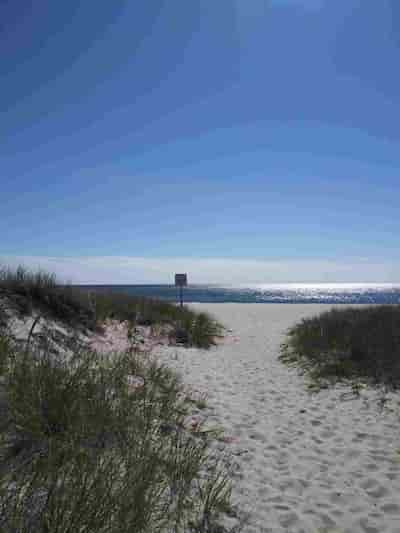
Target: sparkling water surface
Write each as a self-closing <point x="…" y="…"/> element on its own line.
<point x="356" y="293"/>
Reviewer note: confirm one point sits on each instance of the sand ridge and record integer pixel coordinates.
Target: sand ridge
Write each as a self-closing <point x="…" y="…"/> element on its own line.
<point x="303" y="463"/>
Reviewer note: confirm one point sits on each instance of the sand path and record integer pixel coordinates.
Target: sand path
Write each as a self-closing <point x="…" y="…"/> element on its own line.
<point x="306" y="463"/>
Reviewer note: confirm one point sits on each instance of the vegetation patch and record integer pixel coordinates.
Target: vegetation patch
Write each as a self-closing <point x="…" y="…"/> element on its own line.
<point x="98" y="444"/>
<point x="348" y="344"/>
<point x="80" y="307"/>
<point x="27" y="290"/>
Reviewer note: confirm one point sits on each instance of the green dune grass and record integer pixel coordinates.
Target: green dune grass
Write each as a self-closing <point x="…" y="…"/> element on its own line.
<point x="80" y="307"/>
<point x="81" y="451"/>
<point x="350" y="343"/>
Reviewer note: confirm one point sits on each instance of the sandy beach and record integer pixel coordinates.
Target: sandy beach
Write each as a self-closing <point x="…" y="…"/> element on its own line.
<point x="305" y="463"/>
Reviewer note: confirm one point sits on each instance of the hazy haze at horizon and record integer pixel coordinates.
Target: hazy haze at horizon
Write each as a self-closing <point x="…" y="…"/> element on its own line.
<point x="225" y="271"/>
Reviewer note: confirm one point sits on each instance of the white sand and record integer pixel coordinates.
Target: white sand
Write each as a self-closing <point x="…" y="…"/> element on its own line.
<point x="306" y="463"/>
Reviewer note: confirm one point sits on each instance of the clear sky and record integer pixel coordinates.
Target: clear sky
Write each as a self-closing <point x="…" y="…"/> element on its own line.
<point x="202" y="135"/>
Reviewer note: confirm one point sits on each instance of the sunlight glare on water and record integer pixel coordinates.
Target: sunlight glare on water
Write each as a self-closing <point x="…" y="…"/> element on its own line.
<point x="354" y="293"/>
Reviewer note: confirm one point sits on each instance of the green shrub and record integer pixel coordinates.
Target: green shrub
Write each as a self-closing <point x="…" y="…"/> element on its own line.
<point x="349" y="343"/>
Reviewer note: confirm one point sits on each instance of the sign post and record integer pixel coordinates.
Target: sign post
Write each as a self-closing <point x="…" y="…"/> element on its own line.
<point x="181" y="281"/>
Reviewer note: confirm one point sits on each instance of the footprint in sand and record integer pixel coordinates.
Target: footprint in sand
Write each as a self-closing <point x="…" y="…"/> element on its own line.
<point x="255" y="435"/>
<point x="391" y="508"/>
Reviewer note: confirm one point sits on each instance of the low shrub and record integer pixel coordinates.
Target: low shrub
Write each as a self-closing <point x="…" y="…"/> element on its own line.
<point x="349" y="343"/>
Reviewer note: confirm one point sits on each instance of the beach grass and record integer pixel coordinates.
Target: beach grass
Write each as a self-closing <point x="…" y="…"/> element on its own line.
<point x="41" y="290"/>
<point x="348" y="344"/>
<point x="88" y="308"/>
<point x="83" y="450"/>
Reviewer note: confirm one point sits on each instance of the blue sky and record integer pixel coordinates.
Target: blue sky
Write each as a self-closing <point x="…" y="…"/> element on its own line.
<point x="238" y="133"/>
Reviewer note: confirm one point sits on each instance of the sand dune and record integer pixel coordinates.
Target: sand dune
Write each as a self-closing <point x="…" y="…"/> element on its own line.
<point x="304" y="463"/>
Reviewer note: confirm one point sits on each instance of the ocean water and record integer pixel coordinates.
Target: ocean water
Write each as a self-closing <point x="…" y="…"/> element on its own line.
<point x="269" y="293"/>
